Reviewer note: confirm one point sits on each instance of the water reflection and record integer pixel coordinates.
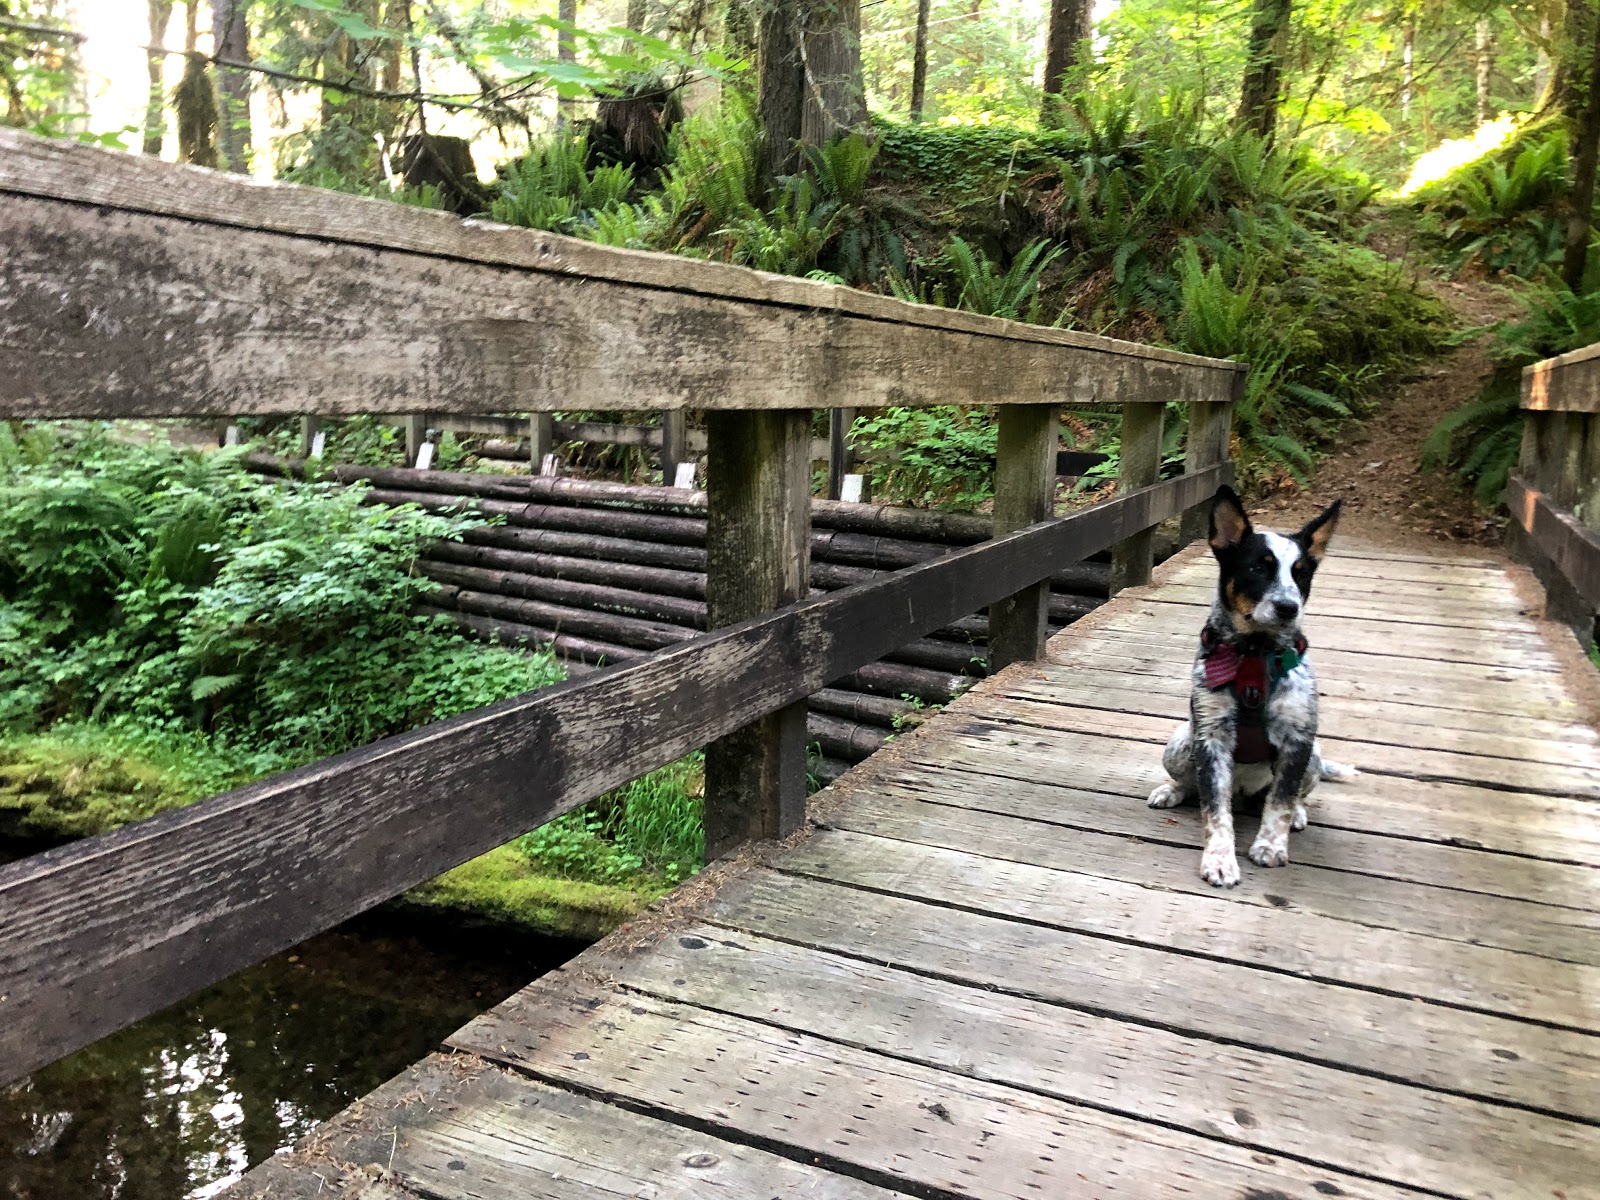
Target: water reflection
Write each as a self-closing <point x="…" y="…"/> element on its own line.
<point x="182" y="1104"/>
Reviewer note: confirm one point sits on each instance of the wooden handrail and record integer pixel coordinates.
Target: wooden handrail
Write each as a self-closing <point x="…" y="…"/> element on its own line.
<point x="139" y="288"/>
<point x="1554" y="498"/>
<point x="99" y="934"/>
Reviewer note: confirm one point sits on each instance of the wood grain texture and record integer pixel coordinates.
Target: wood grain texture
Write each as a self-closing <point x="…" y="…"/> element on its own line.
<point x="1024" y="492"/>
<point x="96" y="935"/>
<point x="136" y="288"/>
<point x="1138" y="465"/>
<point x="1572" y="548"/>
<point x="1567" y="383"/>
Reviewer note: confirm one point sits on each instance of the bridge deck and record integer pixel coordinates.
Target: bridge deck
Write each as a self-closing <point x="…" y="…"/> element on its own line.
<point x="992" y="972"/>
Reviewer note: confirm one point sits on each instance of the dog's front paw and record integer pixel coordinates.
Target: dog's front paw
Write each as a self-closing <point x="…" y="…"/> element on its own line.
<point x="1300" y="818"/>
<point x="1268" y="852"/>
<point x="1168" y="795"/>
<point x="1220" y="867"/>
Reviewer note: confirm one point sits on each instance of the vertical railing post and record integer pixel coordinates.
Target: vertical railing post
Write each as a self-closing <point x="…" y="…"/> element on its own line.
<point x="1139" y="466"/>
<point x="674" y="444"/>
<point x="1024" y="493"/>
<point x="308" y="434"/>
<point x="758" y="558"/>
<point x="541" y="439"/>
<point x="840" y="458"/>
<point x="1210" y="431"/>
<point x="416" y="434"/>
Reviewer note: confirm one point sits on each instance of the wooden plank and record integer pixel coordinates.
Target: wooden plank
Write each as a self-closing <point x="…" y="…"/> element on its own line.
<point x="758" y="541"/>
<point x="1024" y="492"/>
<point x="1206" y="442"/>
<point x="1374" y="1127"/>
<point x="1384" y="1036"/>
<point x="1112" y="696"/>
<point x="1435" y="614"/>
<point x="1477" y="978"/>
<point x="1404" y="577"/>
<point x="453" y="1128"/>
<point x="1475" y="918"/>
<point x="1560" y="828"/>
<point x="1543" y="882"/>
<point x="1056" y="729"/>
<point x="1572" y="549"/>
<point x="1566" y="383"/>
<point x="197" y="285"/>
<point x="1138" y="465"/>
<point x="96" y="935"/>
<point x="885" y="1119"/>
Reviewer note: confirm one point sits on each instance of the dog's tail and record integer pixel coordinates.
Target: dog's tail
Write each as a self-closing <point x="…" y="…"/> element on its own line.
<point x="1337" y="771"/>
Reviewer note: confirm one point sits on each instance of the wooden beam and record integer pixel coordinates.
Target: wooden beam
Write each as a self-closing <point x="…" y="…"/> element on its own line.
<point x="1207" y="444"/>
<point x="541" y="440"/>
<point x="674" y="444"/>
<point x="1566" y="383"/>
<point x="102" y="933"/>
<point x="1573" y="549"/>
<point x="1024" y="492"/>
<point x="758" y="544"/>
<point x="130" y="287"/>
<point x="840" y="459"/>
<point x="1139" y="466"/>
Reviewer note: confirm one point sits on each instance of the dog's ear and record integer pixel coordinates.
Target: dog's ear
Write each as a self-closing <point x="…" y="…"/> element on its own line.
<point x="1314" y="537"/>
<point x="1229" y="525"/>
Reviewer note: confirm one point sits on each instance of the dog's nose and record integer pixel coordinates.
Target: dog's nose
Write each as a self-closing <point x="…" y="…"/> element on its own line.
<point x="1287" y="610"/>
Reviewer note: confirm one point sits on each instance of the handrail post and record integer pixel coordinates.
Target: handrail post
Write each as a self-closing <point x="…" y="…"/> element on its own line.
<point x="541" y="439"/>
<point x="1210" y="431"/>
<point x="758" y="558"/>
<point x="1139" y="466"/>
<point x="1024" y="493"/>
<point x="674" y="443"/>
<point x="840" y="457"/>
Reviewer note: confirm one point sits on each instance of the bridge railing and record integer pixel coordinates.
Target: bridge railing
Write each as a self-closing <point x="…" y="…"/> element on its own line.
<point x="1554" y="497"/>
<point x="132" y="288"/>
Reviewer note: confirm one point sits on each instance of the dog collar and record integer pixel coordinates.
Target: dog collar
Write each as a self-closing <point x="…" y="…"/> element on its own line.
<point x="1253" y="676"/>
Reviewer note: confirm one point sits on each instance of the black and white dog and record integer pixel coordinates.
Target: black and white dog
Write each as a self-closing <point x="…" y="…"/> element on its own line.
<point x="1252" y="724"/>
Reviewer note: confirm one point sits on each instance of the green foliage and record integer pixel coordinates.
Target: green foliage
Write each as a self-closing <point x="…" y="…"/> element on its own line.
<point x="1503" y="210"/>
<point x="983" y="288"/>
<point x="552" y="187"/>
<point x="650" y="826"/>
<point x="941" y="457"/>
<point x="178" y="592"/>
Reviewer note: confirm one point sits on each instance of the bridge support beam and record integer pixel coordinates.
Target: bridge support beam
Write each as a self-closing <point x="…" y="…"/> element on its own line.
<point x="1210" y="431"/>
<point x="758" y="558"/>
<point x="1139" y="466"/>
<point x="1024" y="493"/>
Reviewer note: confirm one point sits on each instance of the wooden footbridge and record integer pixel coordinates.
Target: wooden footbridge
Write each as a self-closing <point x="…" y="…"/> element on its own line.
<point x="981" y="968"/>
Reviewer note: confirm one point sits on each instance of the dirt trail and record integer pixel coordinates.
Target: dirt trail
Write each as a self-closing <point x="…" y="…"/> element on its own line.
<point x="1388" y="498"/>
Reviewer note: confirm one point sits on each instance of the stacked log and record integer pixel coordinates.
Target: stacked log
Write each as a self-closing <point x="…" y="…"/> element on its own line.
<point x="604" y="573"/>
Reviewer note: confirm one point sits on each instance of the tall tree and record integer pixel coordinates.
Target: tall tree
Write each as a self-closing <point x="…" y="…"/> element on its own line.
<point x="1263" y="72"/>
<point x="781" y="88"/>
<point x="1071" y="26"/>
<point x="230" y="37"/>
<point x="1484" y="38"/>
<point x="1584" y="103"/>
<point x="830" y="45"/>
<point x="155" y="61"/>
<point x="566" y="51"/>
<point x="919" y="62"/>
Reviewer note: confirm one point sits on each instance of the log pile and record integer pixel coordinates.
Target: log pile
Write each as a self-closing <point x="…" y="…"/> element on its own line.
<point x="606" y="572"/>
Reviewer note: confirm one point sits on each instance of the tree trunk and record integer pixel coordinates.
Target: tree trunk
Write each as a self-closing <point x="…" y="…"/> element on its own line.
<point x="566" y="51"/>
<point x="638" y="14"/>
<point x="1071" y="25"/>
<point x="155" y="62"/>
<point x="1485" y="64"/>
<point x="1570" y="58"/>
<point x="1541" y="64"/>
<point x="1263" y="74"/>
<point x="781" y="99"/>
<point x="1407" y="71"/>
<point x="230" y="35"/>
<point x="919" y="63"/>
<point x="1586" y="150"/>
<point x="836" y="99"/>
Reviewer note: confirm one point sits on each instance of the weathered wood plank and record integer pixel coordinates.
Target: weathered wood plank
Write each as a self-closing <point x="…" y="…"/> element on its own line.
<point x="1438" y="614"/>
<point x="1572" y="548"/>
<point x="884" y="1118"/>
<point x="1357" y="1124"/>
<point x="1362" y="852"/>
<point x="139" y="288"/>
<point x="455" y="1129"/>
<point x="1479" y="978"/>
<point x="1525" y="739"/>
<point x="96" y="935"/>
<point x="1563" y="934"/>
<point x="1054" y="729"/>
<point x="1386" y="1036"/>
<point x="1403" y="577"/>
<point x="1566" y="383"/>
<point x="1024" y="492"/>
<point x="1138" y="465"/>
<point x="1560" y="828"/>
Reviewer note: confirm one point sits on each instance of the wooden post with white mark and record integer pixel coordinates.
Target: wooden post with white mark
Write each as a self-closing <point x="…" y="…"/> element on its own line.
<point x="758" y="552"/>
<point x="1210" y="430"/>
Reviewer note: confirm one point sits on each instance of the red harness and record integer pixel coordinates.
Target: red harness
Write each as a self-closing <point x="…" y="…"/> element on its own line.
<point x="1252" y="676"/>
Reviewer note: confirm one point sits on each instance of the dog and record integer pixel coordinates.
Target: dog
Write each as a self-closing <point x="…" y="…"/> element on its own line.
<point x="1252" y="727"/>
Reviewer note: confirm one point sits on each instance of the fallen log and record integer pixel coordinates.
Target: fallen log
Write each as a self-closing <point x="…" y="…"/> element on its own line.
<point x="866" y="710"/>
<point x="660" y="581"/>
<point x="608" y="627"/>
<point x="588" y="545"/>
<point x="653" y="527"/>
<point x="898" y="680"/>
<point x="842" y="739"/>
<point x="511" y="633"/>
<point x="690" y="613"/>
